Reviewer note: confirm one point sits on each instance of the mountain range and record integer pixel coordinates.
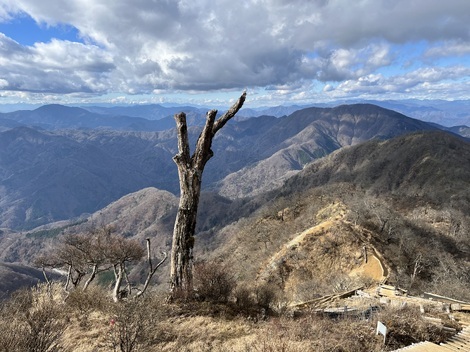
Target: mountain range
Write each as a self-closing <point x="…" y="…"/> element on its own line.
<point x="442" y="112"/>
<point x="54" y="117"/>
<point x="57" y="174"/>
<point x="152" y="117"/>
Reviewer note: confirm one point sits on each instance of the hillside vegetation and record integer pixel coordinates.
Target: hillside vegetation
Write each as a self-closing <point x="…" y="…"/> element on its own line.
<point x="406" y="198"/>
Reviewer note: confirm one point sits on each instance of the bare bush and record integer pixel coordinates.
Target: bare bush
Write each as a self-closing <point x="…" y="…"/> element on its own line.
<point x="82" y="304"/>
<point x="244" y="299"/>
<point x="133" y="325"/>
<point x="265" y="295"/>
<point x="257" y="300"/>
<point x="32" y="321"/>
<point x="316" y="333"/>
<point x="212" y="281"/>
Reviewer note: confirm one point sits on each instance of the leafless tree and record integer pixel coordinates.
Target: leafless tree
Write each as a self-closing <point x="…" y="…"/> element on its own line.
<point x="190" y="169"/>
<point x="120" y="252"/>
<point x="79" y="255"/>
<point x="84" y="255"/>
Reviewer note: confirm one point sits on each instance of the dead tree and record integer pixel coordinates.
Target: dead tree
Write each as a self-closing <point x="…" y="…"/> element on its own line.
<point x="190" y="170"/>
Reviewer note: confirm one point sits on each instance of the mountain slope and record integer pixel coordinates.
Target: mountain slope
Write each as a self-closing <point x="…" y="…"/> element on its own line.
<point x="406" y="200"/>
<point x="16" y="276"/>
<point x="309" y="134"/>
<point x="6" y="124"/>
<point x="47" y="177"/>
<point x="418" y="165"/>
<point x="148" y="212"/>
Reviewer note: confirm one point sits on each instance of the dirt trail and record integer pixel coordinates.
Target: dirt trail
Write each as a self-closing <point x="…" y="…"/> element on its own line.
<point x="372" y="269"/>
<point x="330" y="251"/>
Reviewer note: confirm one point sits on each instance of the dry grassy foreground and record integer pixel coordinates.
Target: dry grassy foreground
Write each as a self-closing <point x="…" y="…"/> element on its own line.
<point x="44" y="320"/>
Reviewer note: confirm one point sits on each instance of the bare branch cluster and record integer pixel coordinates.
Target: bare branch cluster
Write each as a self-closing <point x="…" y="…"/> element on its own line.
<point x="84" y="255"/>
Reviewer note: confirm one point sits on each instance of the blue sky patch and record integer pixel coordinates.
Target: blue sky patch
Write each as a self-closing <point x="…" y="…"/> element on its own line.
<point x="26" y="31"/>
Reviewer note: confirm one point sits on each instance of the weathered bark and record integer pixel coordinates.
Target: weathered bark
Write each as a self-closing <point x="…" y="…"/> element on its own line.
<point x="190" y="169"/>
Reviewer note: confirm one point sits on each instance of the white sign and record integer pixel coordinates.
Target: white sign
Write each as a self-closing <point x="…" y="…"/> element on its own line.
<point x="381" y="329"/>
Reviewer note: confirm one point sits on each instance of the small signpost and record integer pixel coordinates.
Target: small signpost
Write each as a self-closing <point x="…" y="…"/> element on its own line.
<point x="381" y="329"/>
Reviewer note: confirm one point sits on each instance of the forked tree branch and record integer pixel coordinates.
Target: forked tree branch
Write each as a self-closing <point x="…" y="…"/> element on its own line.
<point x="151" y="269"/>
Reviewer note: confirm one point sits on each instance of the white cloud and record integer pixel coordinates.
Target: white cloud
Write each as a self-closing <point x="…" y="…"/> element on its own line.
<point x="58" y="66"/>
<point x="444" y="81"/>
<point x="452" y="48"/>
<point x="200" y="45"/>
<point x="71" y="56"/>
<point x="342" y="64"/>
<point x="5" y="12"/>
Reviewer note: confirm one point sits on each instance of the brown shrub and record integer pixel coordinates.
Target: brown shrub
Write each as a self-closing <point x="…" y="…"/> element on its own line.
<point x="134" y="325"/>
<point x="94" y="298"/>
<point x="266" y="295"/>
<point x="315" y="333"/>
<point x="212" y="281"/>
<point x="32" y="320"/>
<point x="406" y="325"/>
<point x="257" y="300"/>
<point x="82" y="303"/>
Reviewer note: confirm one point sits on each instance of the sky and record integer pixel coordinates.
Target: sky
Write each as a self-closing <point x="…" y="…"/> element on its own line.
<point x="283" y="52"/>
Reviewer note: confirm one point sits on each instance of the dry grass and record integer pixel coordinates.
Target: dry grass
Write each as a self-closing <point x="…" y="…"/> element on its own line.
<point x="151" y="324"/>
<point x="314" y="333"/>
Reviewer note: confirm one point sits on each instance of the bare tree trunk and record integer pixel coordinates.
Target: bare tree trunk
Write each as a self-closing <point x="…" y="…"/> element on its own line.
<point x="128" y="283"/>
<point x="119" y="275"/>
<point x="190" y="169"/>
<point x="69" y="274"/>
<point x="91" y="278"/>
